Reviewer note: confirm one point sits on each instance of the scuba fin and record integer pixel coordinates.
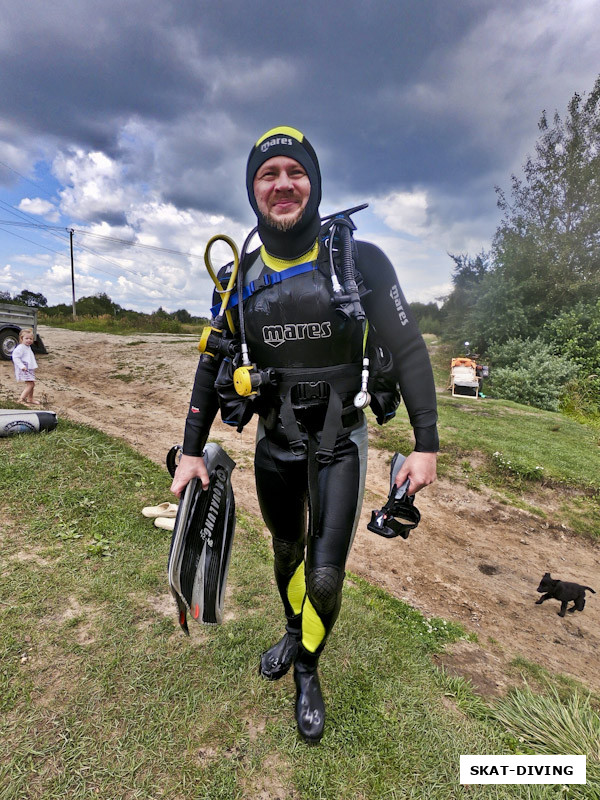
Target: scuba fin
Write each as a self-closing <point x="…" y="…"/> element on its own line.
<point x="202" y="541"/>
<point x="399" y="516"/>
<point x="173" y="458"/>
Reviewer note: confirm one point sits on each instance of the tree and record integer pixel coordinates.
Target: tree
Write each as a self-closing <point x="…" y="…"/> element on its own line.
<point x="527" y="371"/>
<point x="549" y="240"/>
<point x="183" y="315"/>
<point x="428" y="315"/>
<point x="97" y="305"/>
<point x="545" y="256"/>
<point x="33" y="299"/>
<point x="467" y="278"/>
<point x="498" y="314"/>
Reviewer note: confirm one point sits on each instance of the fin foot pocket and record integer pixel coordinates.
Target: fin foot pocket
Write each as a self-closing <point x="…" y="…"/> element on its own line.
<point x="310" y="707"/>
<point x="277" y="660"/>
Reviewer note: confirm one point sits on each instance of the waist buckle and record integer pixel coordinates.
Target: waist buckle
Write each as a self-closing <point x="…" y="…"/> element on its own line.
<point x="310" y="393"/>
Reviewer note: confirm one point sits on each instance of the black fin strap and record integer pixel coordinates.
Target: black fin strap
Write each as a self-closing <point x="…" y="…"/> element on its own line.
<point x="384" y="522"/>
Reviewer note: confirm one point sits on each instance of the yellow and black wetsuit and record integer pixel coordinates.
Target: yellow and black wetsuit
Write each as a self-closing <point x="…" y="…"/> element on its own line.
<point x="316" y="354"/>
<point x="293" y="327"/>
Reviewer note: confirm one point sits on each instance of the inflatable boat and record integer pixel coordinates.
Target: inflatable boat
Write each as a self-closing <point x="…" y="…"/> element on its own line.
<point x="17" y="420"/>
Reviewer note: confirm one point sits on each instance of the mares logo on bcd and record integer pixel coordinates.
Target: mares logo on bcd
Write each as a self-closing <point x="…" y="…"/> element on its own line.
<point x="395" y="295"/>
<point x="275" y="335"/>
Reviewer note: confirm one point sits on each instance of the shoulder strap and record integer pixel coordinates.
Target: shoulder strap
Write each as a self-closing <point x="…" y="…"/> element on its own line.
<point x="268" y="279"/>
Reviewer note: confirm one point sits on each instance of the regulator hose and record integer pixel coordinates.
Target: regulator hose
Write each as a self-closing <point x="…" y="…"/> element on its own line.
<point x="240" y="293"/>
<point x="224" y="293"/>
<point x="346" y="298"/>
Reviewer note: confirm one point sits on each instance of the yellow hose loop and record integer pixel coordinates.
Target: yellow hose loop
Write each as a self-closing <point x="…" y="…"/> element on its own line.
<point x="225" y="293"/>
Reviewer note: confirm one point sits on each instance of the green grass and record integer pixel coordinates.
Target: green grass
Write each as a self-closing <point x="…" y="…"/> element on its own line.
<point x="570" y="448"/>
<point x="101" y="695"/>
<point x="517" y="451"/>
<point x="567" y="450"/>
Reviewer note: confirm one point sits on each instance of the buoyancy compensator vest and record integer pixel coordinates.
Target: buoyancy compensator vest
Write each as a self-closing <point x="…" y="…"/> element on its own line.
<point x="304" y="327"/>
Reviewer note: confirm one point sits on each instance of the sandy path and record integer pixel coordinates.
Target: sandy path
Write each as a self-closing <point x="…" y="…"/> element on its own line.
<point x="471" y="559"/>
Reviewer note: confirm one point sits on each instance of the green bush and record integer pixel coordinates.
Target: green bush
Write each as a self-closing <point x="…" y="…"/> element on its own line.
<point x="581" y="397"/>
<point x="575" y="334"/>
<point x="527" y="371"/>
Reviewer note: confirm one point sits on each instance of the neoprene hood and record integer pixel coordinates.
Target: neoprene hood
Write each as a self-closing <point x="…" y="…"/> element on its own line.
<point x="284" y="141"/>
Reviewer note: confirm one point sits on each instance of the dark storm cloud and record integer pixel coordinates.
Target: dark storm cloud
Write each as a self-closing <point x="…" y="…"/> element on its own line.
<point x="73" y="70"/>
<point x="434" y="94"/>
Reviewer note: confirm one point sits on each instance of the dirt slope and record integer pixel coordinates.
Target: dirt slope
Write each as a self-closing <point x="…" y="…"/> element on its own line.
<point x="471" y="559"/>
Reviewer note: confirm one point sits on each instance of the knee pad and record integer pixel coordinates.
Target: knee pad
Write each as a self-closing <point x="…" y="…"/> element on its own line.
<point x="287" y="555"/>
<point x="324" y="585"/>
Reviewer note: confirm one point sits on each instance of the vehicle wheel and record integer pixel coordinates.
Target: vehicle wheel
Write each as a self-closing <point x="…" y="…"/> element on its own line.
<point x="9" y="339"/>
<point x="39" y="347"/>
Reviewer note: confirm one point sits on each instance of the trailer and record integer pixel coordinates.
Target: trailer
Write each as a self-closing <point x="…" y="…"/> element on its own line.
<point x="13" y="318"/>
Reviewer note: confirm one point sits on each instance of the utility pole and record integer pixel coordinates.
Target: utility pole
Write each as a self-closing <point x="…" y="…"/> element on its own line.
<point x="71" y="232"/>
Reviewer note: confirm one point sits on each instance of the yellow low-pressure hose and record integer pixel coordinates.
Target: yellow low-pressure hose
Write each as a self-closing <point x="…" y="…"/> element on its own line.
<point x="224" y="293"/>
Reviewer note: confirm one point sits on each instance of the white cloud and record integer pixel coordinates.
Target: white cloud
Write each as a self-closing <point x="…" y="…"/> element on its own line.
<point x="251" y="79"/>
<point x="405" y="212"/>
<point x="58" y="275"/>
<point x="39" y="207"/>
<point x="434" y="221"/>
<point x="11" y="281"/>
<point x="95" y="185"/>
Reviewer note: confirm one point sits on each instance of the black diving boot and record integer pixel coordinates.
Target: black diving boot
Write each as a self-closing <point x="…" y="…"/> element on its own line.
<point x="277" y="660"/>
<point x="310" y="708"/>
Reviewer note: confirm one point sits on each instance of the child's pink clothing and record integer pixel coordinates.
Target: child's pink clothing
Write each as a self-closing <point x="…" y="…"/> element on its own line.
<point x="22" y="356"/>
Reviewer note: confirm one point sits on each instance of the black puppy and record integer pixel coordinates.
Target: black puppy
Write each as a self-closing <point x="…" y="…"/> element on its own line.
<point x="563" y="591"/>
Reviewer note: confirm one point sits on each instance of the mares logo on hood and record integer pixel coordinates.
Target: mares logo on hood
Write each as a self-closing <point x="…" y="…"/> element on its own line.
<point x="277" y="140"/>
<point x="275" y="335"/>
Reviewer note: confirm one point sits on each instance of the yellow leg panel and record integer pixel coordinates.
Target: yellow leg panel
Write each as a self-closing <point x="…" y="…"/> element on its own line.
<point x="313" y="630"/>
<point x="297" y="589"/>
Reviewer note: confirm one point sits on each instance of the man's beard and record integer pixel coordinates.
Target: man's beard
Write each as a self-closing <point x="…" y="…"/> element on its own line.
<point x="284" y="224"/>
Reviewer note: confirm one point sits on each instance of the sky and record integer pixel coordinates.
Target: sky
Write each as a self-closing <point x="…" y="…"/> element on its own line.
<point x="130" y="123"/>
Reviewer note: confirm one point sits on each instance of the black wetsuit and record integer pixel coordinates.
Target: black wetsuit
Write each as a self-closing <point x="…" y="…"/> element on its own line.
<point x="292" y="325"/>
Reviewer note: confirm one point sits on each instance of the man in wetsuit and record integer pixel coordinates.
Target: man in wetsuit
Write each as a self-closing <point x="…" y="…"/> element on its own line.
<point x="311" y="448"/>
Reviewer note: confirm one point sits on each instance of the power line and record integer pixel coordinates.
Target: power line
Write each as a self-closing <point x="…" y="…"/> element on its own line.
<point x="139" y="244"/>
<point x="125" y="242"/>
<point x="20" y="214"/>
<point x="93" y="268"/>
<point x="37" y="244"/>
<point x="37" y="185"/>
<point x="51" y="228"/>
<point x="32" y="224"/>
<point x="119" y="266"/>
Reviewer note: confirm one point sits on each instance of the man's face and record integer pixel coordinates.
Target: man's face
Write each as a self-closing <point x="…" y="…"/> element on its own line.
<point x="281" y="188"/>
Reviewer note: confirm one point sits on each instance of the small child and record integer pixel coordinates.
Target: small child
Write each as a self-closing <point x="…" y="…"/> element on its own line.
<point x="25" y="365"/>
